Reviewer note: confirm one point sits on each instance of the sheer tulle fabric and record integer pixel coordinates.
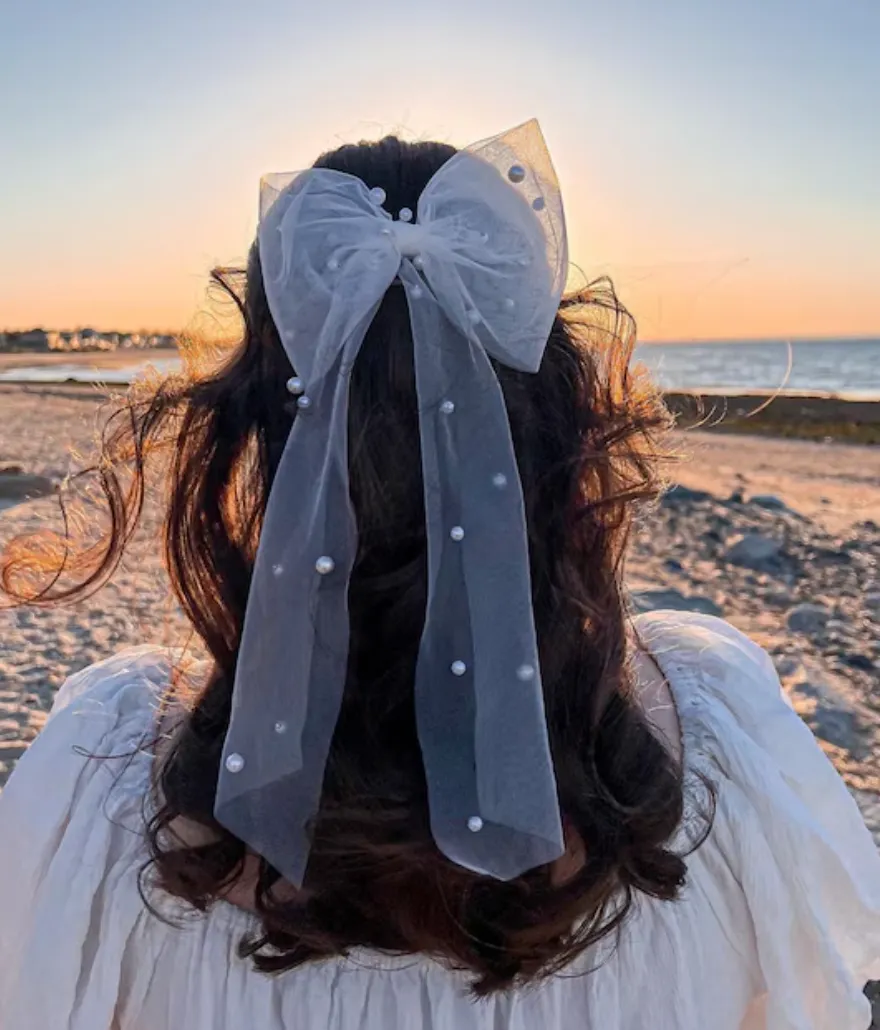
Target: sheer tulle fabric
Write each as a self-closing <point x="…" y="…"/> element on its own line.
<point x="483" y="265"/>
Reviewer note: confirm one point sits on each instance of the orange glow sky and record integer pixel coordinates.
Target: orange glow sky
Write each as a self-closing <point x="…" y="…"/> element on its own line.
<point x="718" y="161"/>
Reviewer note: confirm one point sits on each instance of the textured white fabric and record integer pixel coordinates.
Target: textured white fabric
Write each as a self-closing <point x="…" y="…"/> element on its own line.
<point x="780" y="918"/>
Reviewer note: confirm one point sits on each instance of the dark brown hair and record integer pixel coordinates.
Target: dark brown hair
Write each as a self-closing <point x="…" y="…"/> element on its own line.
<point x="588" y="432"/>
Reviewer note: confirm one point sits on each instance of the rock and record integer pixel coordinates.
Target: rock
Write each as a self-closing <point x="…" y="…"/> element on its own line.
<point x="683" y="494"/>
<point x="737" y="497"/>
<point x="872" y="602"/>
<point x="786" y="666"/>
<point x="862" y="662"/>
<point x="824" y="700"/>
<point x="810" y="619"/>
<point x="11" y="750"/>
<point x="754" y="551"/>
<point x="15" y="486"/>
<point x="872" y="992"/>
<point x="769" y="501"/>
<point x="658" y="600"/>
<point x="838" y="555"/>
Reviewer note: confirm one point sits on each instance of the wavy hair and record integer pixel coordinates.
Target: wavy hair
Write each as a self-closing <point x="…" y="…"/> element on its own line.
<point x="589" y="433"/>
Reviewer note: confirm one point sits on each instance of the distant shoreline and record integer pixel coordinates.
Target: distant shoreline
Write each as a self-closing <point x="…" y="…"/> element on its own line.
<point x="803" y="416"/>
<point x="100" y="359"/>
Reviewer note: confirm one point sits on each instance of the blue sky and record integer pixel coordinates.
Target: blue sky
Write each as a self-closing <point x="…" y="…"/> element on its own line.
<point x="722" y="161"/>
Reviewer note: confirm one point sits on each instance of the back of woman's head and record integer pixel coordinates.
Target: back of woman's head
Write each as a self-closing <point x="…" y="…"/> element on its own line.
<point x="586" y="432"/>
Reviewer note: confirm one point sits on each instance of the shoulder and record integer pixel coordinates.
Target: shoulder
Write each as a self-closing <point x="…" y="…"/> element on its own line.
<point x="704" y="656"/>
<point x="71" y="822"/>
<point x="133" y="678"/>
<point x="702" y="640"/>
<point x="102" y="717"/>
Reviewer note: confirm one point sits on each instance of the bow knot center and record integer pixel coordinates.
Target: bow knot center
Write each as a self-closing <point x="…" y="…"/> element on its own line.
<point x="409" y="237"/>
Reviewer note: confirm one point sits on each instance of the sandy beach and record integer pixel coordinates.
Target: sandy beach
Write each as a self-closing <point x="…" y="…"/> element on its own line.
<point x="781" y="537"/>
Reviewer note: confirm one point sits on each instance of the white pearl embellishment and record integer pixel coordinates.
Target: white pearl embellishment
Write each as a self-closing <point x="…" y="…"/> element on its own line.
<point x="525" y="673"/>
<point x="377" y="195"/>
<point x="325" y="565"/>
<point x="499" y="480"/>
<point x="419" y="261"/>
<point x="474" y="317"/>
<point x="458" y="668"/>
<point x="516" y="173"/>
<point x="277" y="570"/>
<point x="475" y="824"/>
<point x="235" y="763"/>
<point x="405" y="215"/>
<point x="333" y="264"/>
<point x="280" y="727"/>
<point x="447" y="407"/>
<point x="304" y="402"/>
<point x="295" y="385"/>
<point x="510" y="303"/>
<point x="416" y="292"/>
<point x="457" y="533"/>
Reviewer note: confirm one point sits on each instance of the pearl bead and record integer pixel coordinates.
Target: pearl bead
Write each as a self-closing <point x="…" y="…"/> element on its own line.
<point x="377" y="195"/>
<point x="280" y="727"/>
<point x="447" y="407"/>
<point x="405" y="215"/>
<point x="303" y="402"/>
<point x="457" y="533"/>
<point x="525" y="673"/>
<point x="474" y="317"/>
<point x="385" y="232"/>
<point x="277" y="570"/>
<point x="499" y="480"/>
<point x="325" y="565"/>
<point x="417" y="292"/>
<point x="419" y="262"/>
<point x="295" y="385"/>
<point x="235" y="763"/>
<point x="516" y="173"/>
<point x="509" y="303"/>
<point x="333" y="264"/>
<point x="539" y="203"/>
<point x="458" y="668"/>
<point x="484" y="237"/>
<point x="475" y="824"/>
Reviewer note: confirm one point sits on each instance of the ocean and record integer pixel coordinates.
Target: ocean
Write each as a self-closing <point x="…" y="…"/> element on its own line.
<point x="848" y="368"/>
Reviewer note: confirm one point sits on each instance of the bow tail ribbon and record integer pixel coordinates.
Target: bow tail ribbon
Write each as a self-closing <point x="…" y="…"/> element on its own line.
<point x="292" y="668"/>
<point x="479" y="702"/>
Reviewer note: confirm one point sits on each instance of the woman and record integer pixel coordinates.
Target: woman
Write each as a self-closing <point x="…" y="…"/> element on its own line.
<point x="351" y="815"/>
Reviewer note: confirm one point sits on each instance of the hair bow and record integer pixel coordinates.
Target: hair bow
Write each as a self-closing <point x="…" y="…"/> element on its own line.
<point x="483" y="264"/>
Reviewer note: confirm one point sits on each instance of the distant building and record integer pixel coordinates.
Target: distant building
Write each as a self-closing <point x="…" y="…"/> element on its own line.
<point x="31" y="340"/>
<point x="36" y="340"/>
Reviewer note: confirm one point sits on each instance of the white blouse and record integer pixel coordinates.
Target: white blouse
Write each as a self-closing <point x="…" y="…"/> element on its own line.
<point x="778" y="926"/>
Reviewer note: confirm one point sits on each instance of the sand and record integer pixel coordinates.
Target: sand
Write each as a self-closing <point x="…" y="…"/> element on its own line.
<point x="824" y="498"/>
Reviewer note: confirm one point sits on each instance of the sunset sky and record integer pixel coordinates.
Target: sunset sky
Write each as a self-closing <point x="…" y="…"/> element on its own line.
<point x="720" y="160"/>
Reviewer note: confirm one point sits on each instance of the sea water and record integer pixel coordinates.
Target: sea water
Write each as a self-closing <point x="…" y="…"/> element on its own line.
<point x="847" y="367"/>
